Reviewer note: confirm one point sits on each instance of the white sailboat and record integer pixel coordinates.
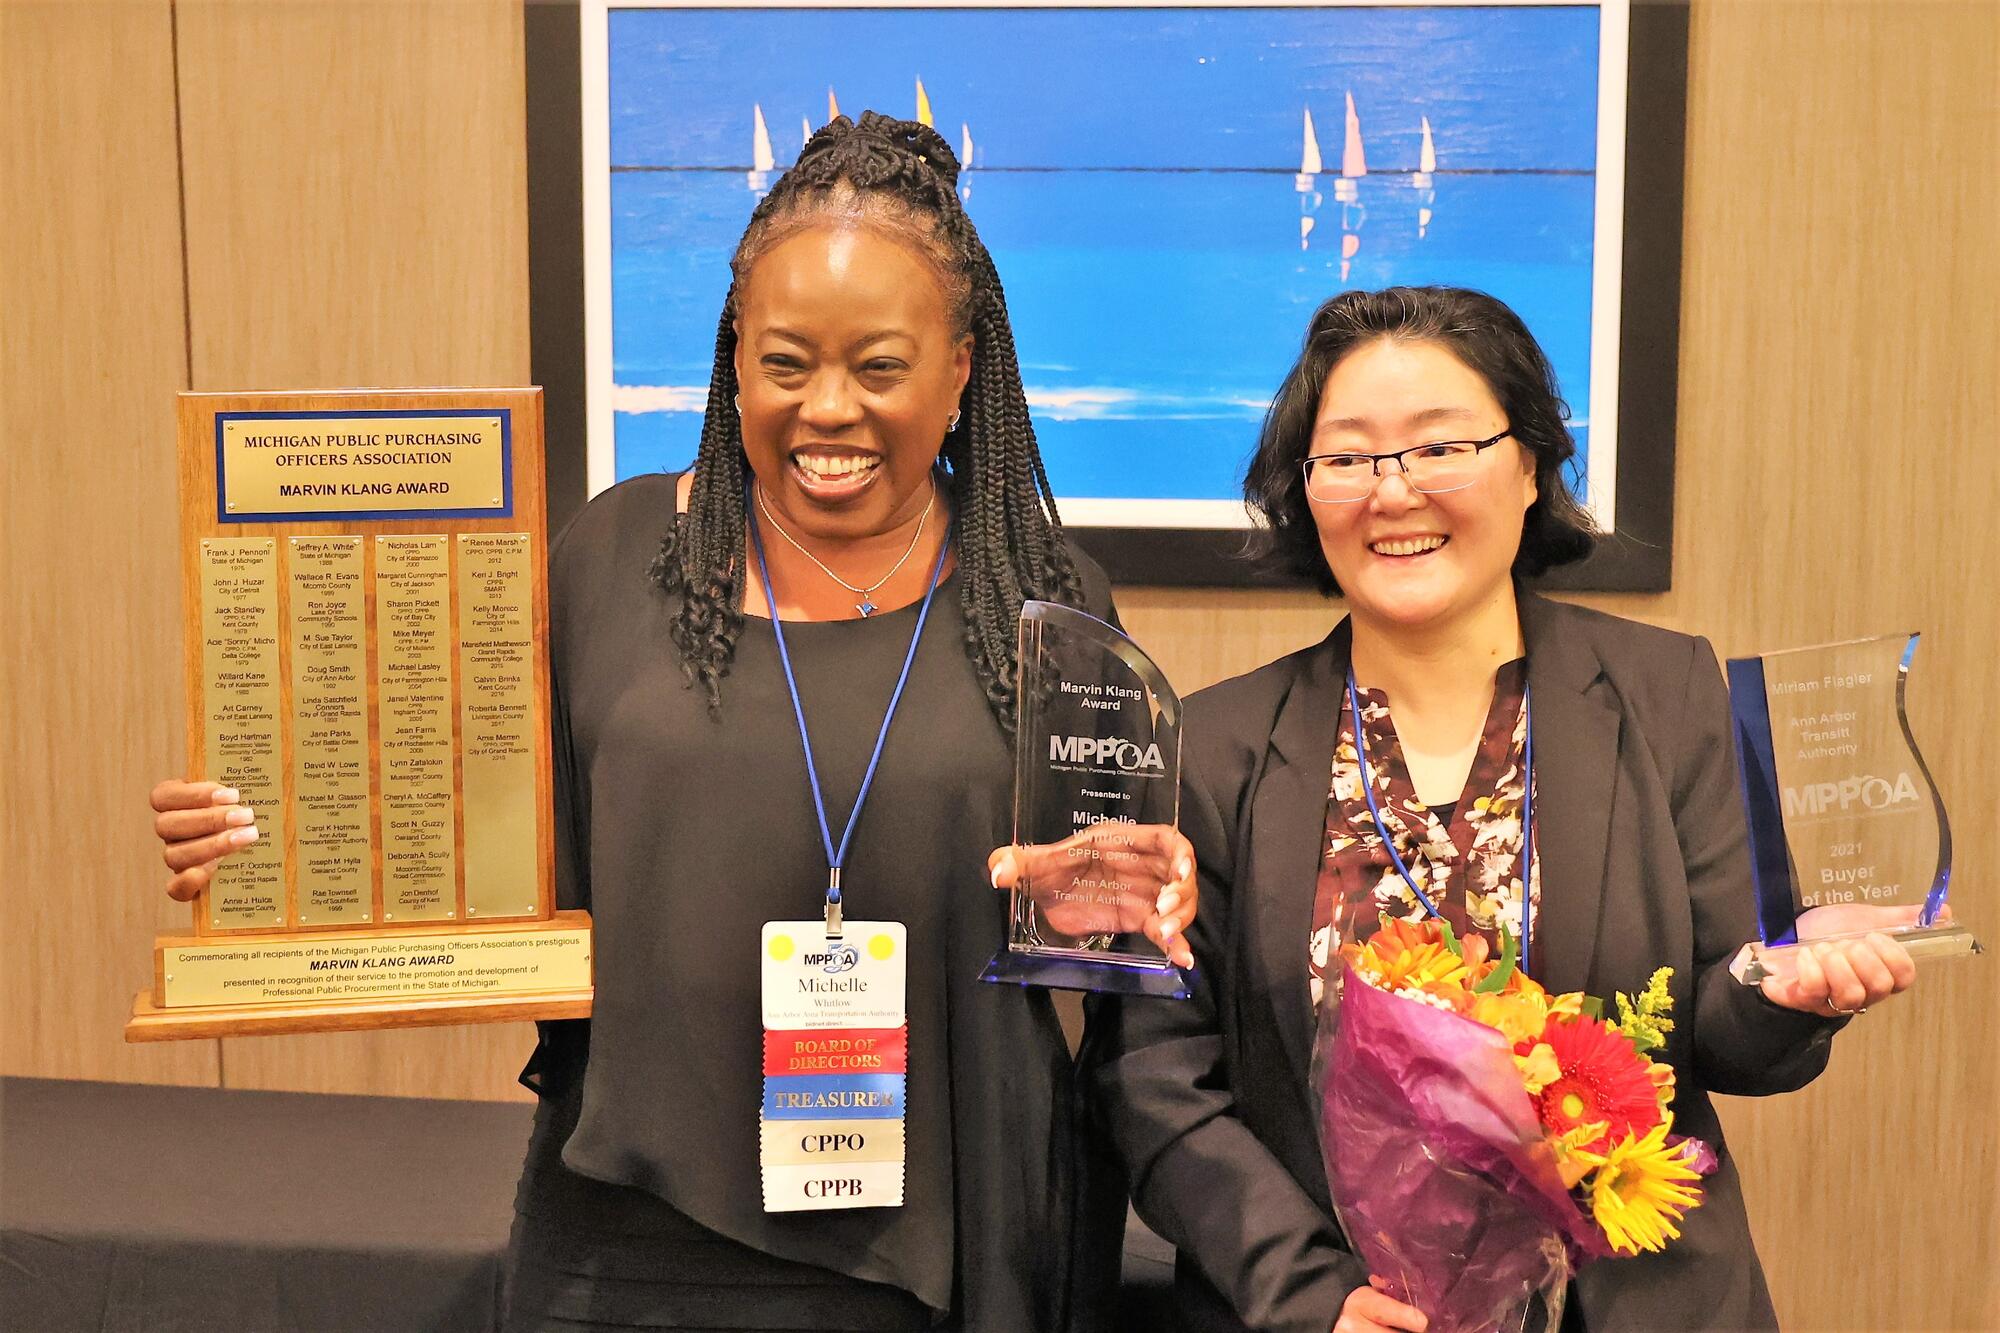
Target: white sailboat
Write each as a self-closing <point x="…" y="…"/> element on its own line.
<point x="762" y="163"/>
<point x="832" y="104"/>
<point x="964" y="162"/>
<point x="1353" y="166"/>
<point x="1310" y="164"/>
<point x="805" y="131"/>
<point x="1353" y="160"/>
<point x="1307" y="181"/>
<point x="1425" y="181"/>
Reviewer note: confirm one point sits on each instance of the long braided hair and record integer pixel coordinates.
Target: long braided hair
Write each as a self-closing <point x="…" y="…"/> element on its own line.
<point x="898" y="177"/>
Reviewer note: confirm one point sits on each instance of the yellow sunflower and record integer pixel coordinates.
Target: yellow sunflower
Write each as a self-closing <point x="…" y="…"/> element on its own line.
<point x="1639" y="1191"/>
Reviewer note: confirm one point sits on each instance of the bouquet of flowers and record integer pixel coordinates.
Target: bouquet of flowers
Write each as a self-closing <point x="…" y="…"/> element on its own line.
<point x="1484" y="1138"/>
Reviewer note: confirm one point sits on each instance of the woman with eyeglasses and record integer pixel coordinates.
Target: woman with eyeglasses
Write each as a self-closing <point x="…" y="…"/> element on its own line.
<point x="1461" y="746"/>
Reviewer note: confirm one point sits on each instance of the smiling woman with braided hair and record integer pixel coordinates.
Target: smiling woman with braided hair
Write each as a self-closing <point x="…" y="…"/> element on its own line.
<point x="867" y="463"/>
<point x="865" y="515"/>
<point x="896" y="179"/>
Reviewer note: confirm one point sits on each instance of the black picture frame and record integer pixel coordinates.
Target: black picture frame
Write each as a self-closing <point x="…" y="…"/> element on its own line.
<point x="1637" y="557"/>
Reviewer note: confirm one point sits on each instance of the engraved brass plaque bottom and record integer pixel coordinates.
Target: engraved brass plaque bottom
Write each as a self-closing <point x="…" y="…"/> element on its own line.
<point x="359" y="966"/>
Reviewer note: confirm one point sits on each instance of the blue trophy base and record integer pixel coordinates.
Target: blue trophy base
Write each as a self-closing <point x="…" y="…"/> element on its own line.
<point x="1066" y="972"/>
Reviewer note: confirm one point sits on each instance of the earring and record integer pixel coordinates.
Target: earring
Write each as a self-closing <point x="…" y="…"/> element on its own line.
<point x="738" y="401"/>
<point x="952" y="424"/>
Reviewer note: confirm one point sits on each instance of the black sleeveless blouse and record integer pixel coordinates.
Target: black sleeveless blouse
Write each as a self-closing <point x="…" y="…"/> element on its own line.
<point x="683" y="832"/>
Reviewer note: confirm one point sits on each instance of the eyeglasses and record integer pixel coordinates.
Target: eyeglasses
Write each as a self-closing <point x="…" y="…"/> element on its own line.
<point x="1448" y="465"/>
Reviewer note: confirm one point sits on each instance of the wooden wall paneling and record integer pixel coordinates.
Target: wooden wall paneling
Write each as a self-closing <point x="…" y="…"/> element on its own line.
<point x="356" y="200"/>
<point x="355" y="193"/>
<point x="1839" y="350"/>
<point x="92" y="352"/>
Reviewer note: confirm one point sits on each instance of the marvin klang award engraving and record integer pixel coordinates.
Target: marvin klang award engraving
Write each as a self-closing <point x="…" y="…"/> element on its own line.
<point x="1096" y="803"/>
<point x="367" y="616"/>
<point x="1848" y="834"/>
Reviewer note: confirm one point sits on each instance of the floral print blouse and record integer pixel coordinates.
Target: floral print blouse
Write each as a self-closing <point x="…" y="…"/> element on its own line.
<point x="1470" y="866"/>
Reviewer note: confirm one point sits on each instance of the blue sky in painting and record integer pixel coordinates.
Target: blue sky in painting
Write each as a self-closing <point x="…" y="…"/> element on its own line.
<point x="1134" y="176"/>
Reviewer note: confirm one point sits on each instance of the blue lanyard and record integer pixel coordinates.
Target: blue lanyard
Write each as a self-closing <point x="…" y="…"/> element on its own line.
<point x="835" y="856"/>
<point x="1527" y="814"/>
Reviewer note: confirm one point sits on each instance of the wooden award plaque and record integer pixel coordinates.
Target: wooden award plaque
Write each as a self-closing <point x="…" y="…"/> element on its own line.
<point x="364" y="580"/>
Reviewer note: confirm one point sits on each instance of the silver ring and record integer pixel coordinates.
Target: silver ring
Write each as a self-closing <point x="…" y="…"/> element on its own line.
<point x="1845" y="1013"/>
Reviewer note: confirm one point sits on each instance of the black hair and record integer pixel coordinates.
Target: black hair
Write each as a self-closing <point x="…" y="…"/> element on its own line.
<point x="899" y="177"/>
<point x="1480" y="331"/>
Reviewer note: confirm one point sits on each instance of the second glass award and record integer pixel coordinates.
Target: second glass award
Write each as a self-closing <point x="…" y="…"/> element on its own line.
<point x="1096" y="802"/>
<point x="1848" y="835"/>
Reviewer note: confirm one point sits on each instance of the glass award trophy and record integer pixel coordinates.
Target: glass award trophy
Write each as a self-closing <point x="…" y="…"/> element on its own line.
<point x="1848" y="835"/>
<point x="1097" y="754"/>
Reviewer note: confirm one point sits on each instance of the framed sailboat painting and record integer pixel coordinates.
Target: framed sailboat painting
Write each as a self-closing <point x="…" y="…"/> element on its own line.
<point x="1168" y="191"/>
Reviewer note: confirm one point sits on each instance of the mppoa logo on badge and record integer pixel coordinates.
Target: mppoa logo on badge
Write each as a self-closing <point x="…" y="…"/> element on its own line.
<point x="832" y="960"/>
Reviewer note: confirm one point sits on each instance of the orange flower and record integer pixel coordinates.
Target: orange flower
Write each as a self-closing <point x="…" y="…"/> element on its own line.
<point x="1406" y="953"/>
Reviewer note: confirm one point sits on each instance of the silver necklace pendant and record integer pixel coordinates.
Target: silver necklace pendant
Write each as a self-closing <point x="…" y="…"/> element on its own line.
<point x="866" y="606"/>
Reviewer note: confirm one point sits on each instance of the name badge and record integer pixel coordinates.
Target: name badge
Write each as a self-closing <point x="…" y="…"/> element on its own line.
<point x="836" y="1071"/>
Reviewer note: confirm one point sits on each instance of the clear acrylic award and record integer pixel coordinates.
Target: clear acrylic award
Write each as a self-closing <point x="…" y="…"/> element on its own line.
<point x="1096" y="801"/>
<point x="1848" y="835"/>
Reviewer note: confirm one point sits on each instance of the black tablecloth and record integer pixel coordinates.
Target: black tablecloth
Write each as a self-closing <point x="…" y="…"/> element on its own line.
<point x="133" y="1207"/>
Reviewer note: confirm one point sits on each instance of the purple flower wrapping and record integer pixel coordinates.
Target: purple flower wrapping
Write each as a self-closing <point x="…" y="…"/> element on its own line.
<point x="1439" y="1170"/>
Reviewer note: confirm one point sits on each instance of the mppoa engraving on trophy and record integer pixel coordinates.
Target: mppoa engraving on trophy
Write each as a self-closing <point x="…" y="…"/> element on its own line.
<point x="497" y="730"/>
<point x="242" y="730"/>
<point x="332" y="823"/>
<point x="413" y="683"/>
<point x="1827" y="724"/>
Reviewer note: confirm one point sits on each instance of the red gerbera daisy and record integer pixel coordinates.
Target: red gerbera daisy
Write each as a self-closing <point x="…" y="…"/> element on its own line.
<point x="1603" y="1079"/>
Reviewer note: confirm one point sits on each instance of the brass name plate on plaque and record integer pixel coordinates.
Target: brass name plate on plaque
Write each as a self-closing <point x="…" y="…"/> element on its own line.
<point x="413" y="678"/>
<point x="240" y="732"/>
<point x="335" y="826"/>
<point x="365" y="578"/>
<point x="327" y="970"/>
<point x="362" y="464"/>
<point x="497" y="720"/>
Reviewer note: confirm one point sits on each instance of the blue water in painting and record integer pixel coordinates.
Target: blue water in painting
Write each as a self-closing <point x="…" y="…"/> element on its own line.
<point x="1134" y="174"/>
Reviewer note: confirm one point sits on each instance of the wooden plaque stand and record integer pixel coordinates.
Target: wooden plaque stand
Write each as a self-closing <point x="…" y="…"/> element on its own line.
<point x="365" y="584"/>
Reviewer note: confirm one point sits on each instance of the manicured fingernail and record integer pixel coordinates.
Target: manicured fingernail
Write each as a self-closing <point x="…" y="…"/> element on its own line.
<point x="996" y="877"/>
<point x="1168" y="902"/>
<point x="242" y="814"/>
<point x="1183" y="870"/>
<point x="1168" y="931"/>
<point x="243" y="837"/>
<point x="224" y="796"/>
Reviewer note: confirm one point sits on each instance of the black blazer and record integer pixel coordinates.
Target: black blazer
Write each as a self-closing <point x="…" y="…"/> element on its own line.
<point x="1644" y="863"/>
